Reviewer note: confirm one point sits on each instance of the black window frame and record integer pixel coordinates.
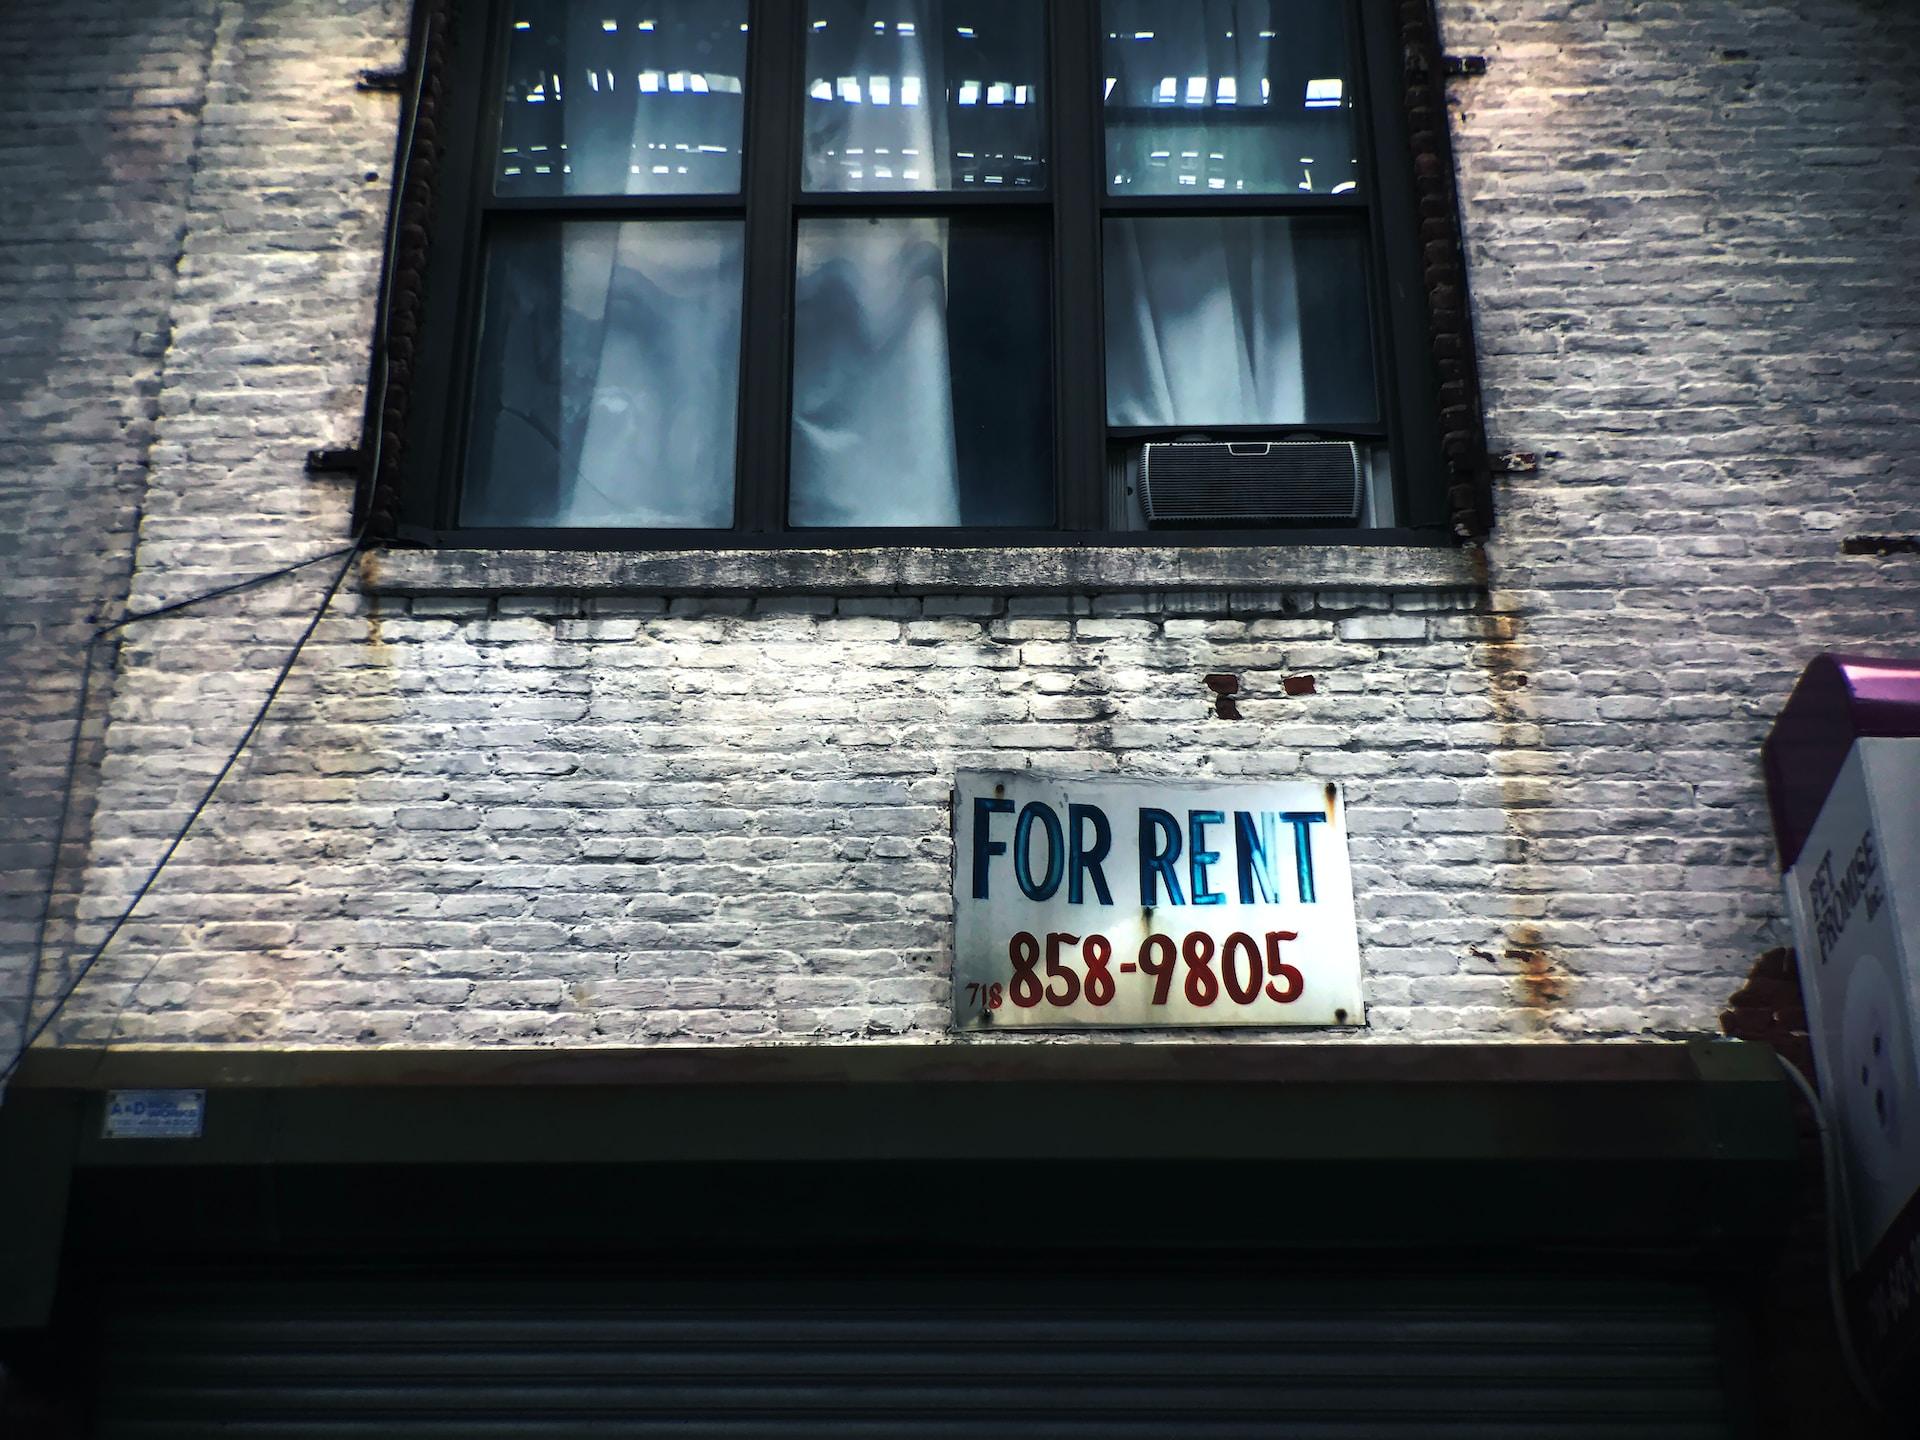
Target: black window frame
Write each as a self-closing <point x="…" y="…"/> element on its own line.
<point x="1424" y="366"/>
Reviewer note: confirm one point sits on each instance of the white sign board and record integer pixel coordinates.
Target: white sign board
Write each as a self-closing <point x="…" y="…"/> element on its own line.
<point x="1854" y="894"/>
<point x="154" y="1114"/>
<point x="1151" y="903"/>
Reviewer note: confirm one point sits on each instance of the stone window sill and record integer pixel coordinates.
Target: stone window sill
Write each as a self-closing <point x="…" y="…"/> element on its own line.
<point x="924" y="570"/>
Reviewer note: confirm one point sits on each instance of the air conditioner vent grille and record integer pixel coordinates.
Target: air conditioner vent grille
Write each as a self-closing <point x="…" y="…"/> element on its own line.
<point x="1186" y="482"/>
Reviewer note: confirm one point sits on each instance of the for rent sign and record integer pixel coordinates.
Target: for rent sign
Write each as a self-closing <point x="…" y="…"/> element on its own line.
<point x="1149" y="903"/>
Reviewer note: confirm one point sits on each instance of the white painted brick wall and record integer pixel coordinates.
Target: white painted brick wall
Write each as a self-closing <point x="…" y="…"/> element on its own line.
<point x="557" y="819"/>
<point x="99" y="120"/>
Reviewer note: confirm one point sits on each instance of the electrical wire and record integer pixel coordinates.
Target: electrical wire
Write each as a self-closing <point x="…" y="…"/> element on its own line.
<point x="247" y="584"/>
<point x="1836" y="1296"/>
<point x="71" y="769"/>
<point x="30" y="1032"/>
<point x="59" y="843"/>
<point x="180" y="835"/>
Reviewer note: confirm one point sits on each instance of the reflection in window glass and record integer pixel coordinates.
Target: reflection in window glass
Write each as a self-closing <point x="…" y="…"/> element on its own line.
<point x="922" y="388"/>
<point x="924" y="95"/>
<point x="608" y="377"/>
<point x="619" y="97"/>
<point x="1228" y="97"/>
<point x="1237" y="320"/>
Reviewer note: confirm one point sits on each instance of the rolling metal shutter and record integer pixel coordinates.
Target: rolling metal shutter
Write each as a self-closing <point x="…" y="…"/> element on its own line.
<point x="924" y="1355"/>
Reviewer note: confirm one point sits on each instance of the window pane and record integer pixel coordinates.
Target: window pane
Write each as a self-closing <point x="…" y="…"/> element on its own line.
<point x="1238" y="96"/>
<point x="1231" y="320"/>
<point x="619" y="97"/>
<point x="922" y="385"/>
<point x="924" y="95"/>
<point x="608" y="376"/>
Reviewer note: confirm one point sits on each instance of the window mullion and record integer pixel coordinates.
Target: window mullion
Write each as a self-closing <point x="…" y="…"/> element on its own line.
<point x="435" y="377"/>
<point x="1080" y="407"/>
<point x="769" y="180"/>
<point x="1407" y="355"/>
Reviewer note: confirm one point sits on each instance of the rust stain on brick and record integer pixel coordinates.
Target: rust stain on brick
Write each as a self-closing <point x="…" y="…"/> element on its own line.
<point x="1770" y="1009"/>
<point x="1540" y="983"/>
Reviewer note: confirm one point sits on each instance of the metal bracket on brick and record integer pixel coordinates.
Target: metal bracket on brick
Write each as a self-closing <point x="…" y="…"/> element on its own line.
<point x="1466" y="64"/>
<point x="334" y="462"/>
<point x="1880" y="545"/>
<point x="391" y="78"/>
<point x="1514" y="462"/>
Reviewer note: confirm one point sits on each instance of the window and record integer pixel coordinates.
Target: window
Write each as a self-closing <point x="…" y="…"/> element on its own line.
<point x="765" y="272"/>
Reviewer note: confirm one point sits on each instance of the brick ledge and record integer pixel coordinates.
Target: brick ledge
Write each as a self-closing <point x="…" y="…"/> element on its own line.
<point x="947" y="1060"/>
<point x="918" y="570"/>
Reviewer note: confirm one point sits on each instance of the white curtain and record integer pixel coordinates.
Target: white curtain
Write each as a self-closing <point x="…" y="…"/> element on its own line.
<point x="651" y="96"/>
<point x="1231" y="320"/>
<point x="613" y="402"/>
<point x="650" y="323"/>
<point x="610" y="383"/>
<point x="876" y="104"/>
<point x="1228" y="96"/>
<point x="873" y="438"/>
<point x="1200" y="37"/>
<point x="650" y="312"/>
<point x="873" y="434"/>
<point x="1203" y="322"/>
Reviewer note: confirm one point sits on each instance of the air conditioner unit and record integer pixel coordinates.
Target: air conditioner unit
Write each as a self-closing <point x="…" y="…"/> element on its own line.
<point x="1238" y="482"/>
